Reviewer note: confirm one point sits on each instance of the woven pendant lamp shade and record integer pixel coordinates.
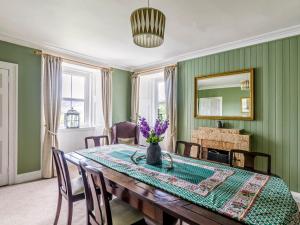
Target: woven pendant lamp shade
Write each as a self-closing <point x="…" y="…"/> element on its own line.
<point x="148" y="27"/>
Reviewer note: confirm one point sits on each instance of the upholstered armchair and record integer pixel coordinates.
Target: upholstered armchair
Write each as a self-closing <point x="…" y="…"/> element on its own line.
<point x="125" y="132"/>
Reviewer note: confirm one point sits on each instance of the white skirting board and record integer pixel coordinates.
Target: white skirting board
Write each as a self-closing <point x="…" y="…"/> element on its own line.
<point x="25" y="177"/>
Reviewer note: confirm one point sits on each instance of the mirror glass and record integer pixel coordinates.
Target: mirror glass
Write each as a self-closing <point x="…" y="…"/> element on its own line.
<point x="225" y="96"/>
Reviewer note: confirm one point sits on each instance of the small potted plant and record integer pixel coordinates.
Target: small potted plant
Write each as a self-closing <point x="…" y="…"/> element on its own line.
<point x="153" y="137"/>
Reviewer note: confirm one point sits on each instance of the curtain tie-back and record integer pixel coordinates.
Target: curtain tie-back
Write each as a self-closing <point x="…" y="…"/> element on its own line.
<point x="52" y="133"/>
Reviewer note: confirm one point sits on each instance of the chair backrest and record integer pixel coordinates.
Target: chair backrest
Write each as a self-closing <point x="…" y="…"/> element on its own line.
<point x="125" y="130"/>
<point x="63" y="176"/>
<point x="96" y="139"/>
<point x="92" y="180"/>
<point x="249" y="160"/>
<point x="187" y="148"/>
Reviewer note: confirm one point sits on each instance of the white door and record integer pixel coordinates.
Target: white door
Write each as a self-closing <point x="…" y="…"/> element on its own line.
<point x="4" y="127"/>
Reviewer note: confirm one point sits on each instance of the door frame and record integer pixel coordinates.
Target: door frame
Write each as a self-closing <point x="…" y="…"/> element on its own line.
<point x="12" y="120"/>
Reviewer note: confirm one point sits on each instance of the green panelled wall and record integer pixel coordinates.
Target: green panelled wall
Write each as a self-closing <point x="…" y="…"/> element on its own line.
<point x="29" y="104"/>
<point x="277" y="102"/>
<point x="121" y="92"/>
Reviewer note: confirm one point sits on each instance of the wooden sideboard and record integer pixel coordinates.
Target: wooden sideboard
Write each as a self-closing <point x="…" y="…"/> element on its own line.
<point x="222" y="139"/>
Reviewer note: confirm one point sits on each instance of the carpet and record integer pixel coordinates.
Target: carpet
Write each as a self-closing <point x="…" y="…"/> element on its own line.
<point x="34" y="203"/>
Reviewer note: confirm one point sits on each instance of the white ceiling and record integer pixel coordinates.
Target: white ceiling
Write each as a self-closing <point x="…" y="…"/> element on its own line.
<point x="100" y="29"/>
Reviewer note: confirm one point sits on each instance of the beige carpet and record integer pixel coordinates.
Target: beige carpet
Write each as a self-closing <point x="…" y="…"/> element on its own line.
<point x="34" y="203"/>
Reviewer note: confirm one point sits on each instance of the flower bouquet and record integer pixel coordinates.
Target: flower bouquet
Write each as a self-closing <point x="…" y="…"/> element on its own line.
<point x="153" y="137"/>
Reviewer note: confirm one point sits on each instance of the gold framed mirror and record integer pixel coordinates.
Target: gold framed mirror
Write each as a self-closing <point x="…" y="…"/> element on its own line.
<point x="225" y="96"/>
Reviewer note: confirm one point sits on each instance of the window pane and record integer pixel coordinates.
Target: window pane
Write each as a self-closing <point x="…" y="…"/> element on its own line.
<point x="78" y="87"/>
<point x="66" y="86"/>
<point x="78" y="84"/>
<point x="162" y="113"/>
<point x="77" y="105"/>
<point x="161" y="92"/>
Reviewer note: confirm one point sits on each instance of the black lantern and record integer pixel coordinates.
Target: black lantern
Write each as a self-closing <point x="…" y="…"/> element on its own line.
<point x="72" y="119"/>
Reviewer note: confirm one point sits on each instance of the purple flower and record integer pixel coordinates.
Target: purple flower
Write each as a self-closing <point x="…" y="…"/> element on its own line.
<point x="153" y="135"/>
<point x="160" y="127"/>
<point x="144" y="127"/>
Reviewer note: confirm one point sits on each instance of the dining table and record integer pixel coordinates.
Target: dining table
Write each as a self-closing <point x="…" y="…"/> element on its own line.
<point x="191" y="190"/>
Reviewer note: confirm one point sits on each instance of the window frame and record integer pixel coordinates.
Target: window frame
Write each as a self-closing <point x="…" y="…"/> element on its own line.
<point x="67" y="70"/>
<point x="156" y="95"/>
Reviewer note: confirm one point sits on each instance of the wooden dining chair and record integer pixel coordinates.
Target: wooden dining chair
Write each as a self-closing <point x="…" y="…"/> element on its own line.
<point x="187" y="148"/>
<point x="249" y="159"/>
<point x="96" y="140"/>
<point x="124" y="133"/>
<point x="71" y="189"/>
<point x="114" y="212"/>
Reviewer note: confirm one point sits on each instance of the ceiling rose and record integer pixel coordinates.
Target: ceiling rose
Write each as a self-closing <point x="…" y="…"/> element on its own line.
<point x="148" y="27"/>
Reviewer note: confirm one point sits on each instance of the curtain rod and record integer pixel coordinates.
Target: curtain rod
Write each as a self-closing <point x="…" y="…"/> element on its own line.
<point x="154" y="69"/>
<point x="39" y="52"/>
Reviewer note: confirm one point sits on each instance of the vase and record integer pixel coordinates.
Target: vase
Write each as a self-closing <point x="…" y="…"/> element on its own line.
<point x="153" y="154"/>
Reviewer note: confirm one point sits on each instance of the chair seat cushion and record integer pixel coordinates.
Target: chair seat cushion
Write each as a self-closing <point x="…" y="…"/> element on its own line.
<point x="126" y="141"/>
<point x="77" y="185"/>
<point x="123" y="214"/>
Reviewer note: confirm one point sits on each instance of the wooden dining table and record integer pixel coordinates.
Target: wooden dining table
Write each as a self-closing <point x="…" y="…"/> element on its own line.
<point x="158" y="206"/>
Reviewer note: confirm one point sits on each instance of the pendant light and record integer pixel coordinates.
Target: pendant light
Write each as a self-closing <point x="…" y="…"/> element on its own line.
<point x="148" y="27"/>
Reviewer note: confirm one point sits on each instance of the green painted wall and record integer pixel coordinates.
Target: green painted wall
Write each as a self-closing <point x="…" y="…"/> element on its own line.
<point x="231" y="99"/>
<point x="121" y="92"/>
<point x="277" y="100"/>
<point x="29" y="105"/>
<point x="29" y="108"/>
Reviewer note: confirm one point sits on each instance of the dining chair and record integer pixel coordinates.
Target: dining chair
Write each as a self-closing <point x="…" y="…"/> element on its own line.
<point x="125" y="133"/>
<point x="187" y="148"/>
<point x="100" y="210"/>
<point x="96" y="140"/>
<point x="71" y="189"/>
<point x="249" y="159"/>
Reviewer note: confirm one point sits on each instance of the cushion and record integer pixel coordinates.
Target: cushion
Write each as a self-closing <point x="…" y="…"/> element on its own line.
<point x="126" y="141"/>
<point x="123" y="214"/>
<point x="77" y="185"/>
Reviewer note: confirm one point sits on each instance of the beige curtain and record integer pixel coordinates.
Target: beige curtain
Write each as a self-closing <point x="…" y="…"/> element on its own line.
<point x="106" y="82"/>
<point x="135" y="90"/>
<point x="170" y="76"/>
<point x="52" y="94"/>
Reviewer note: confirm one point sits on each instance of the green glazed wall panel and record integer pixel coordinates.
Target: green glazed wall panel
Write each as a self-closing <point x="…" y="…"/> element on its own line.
<point x="277" y="105"/>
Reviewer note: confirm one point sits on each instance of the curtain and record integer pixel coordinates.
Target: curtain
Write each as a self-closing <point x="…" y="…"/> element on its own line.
<point x="106" y="82"/>
<point x="170" y="76"/>
<point x="135" y="89"/>
<point x="52" y="96"/>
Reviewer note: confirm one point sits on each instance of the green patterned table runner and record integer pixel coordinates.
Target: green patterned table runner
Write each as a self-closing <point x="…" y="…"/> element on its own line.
<point x="245" y="196"/>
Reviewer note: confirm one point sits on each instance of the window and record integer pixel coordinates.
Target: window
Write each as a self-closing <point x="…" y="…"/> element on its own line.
<point x="211" y="106"/>
<point x="161" y="100"/>
<point x="152" y="99"/>
<point x="81" y="90"/>
<point x="152" y="102"/>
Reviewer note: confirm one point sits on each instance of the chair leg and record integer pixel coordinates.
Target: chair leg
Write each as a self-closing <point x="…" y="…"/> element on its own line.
<point x="58" y="208"/>
<point x="70" y="212"/>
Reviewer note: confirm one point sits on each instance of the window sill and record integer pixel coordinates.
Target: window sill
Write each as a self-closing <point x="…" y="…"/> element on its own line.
<point x="81" y="129"/>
